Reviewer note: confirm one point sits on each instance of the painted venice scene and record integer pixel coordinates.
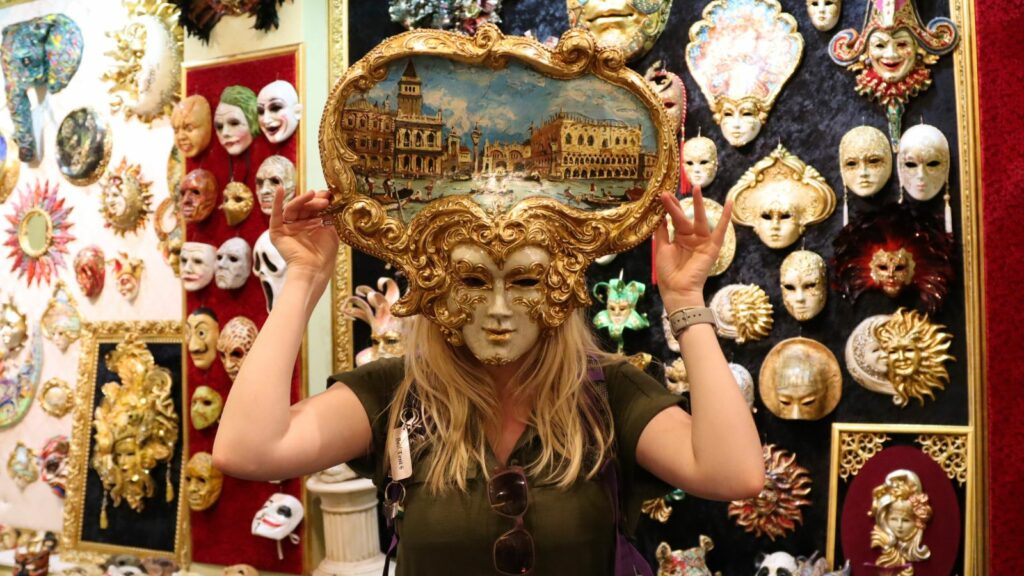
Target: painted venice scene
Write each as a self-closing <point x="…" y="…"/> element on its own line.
<point x="436" y="128"/>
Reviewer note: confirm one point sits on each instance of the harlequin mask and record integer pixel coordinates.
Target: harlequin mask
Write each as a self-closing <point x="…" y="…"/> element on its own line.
<point x="90" y="270"/>
<point x="865" y="160"/>
<point x="632" y="26"/>
<point x="269" y="266"/>
<point x="779" y="197"/>
<point x="741" y="54"/>
<point x="198" y="263"/>
<point x="238" y="203"/>
<point x="202" y="333"/>
<point x="126" y="201"/>
<point x="204" y="482"/>
<point x="278" y="518"/>
<point x="198" y="195"/>
<point x="804" y="288"/>
<point x="192" y="123"/>
<point x="53" y="462"/>
<point x="236" y="120"/>
<point x="892" y="52"/>
<point x="743" y="312"/>
<point x="923" y="162"/>
<point x="128" y="273"/>
<point x="279" y="110"/>
<point x="800" y="380"/>
<point x="916" y="352"/>
<point x="669" y="87"/>
<point x="374" y="308"/>
<point x="13" y="330"/>
<point x="206" y="406"/>
<point x="865" y="359"/>
<point x="233" y="264"/>
<point x="824" y="14"/>
<point x="274" y="171"/>
<point x="700" y="161"/>
<point x="620" y="307"/>
<point x="234" y="342"/>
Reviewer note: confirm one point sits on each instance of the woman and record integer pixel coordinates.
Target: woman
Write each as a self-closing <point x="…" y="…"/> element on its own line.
<point x="513" y="398"/>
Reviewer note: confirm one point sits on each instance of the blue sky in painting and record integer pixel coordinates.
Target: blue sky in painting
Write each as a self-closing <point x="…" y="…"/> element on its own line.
<point x="504" y="102"/>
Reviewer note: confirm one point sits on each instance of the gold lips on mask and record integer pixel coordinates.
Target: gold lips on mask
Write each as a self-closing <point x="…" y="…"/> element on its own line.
<point x="632" y="26"/>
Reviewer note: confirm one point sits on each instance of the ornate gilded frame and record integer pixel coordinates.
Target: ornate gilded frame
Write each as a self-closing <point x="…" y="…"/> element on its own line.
<point x="94" y="334"/>
<point x="342" y="353"/>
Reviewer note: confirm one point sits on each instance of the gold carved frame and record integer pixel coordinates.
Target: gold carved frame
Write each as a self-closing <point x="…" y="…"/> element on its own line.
<point x="94" y="334"/>
<point x="342" y="353"/>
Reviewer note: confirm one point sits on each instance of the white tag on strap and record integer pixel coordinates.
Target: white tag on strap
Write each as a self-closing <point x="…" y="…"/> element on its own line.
<point x="401" y="455"/>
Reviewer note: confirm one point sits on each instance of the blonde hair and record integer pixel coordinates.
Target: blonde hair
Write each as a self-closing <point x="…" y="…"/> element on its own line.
<point x="459" y="399"/>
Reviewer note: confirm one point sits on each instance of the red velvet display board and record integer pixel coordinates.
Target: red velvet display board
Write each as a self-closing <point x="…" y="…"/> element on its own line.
<point x="221" y="534"/>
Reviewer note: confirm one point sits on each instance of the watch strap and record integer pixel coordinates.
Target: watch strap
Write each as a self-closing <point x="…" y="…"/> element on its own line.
<point x="685" y="317"/>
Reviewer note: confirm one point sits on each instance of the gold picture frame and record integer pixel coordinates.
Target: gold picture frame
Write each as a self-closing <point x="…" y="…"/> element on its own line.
<point x="342" y="351"/>
<point x="75" y="542"/>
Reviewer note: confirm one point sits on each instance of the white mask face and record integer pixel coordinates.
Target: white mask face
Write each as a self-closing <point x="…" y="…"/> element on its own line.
<point x="802" y="278"/>
<point x="700" y="161"/>
<point x="892" y="55"/>
<point x="740" y="122"/>
<point x="269" y="266"/>
<point x="197" y="265"/>
<point x="274" y="171"/>
<point x="923" y="161"/>
<point x="279" y="517"/>
<point x="824" y="14"/>
<point x="233" y="130"/>
<point x="279" y="110"/>
<point x="233" y="259"/>
<point x="865" y="160"/>
<point x="778" y="220"/>
<point x="499" y="300"/>
<point x="865" y="359"/>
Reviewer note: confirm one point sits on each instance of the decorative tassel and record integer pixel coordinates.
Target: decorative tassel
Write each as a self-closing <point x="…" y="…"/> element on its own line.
<point x="103" y="512"/>
<point x="170" y="487"/>
<point x="846" y="208"/>
<point x="949" y="212"/>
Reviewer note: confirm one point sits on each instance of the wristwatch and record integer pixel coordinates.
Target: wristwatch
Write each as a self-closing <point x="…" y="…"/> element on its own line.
<point x="685" y="317"/>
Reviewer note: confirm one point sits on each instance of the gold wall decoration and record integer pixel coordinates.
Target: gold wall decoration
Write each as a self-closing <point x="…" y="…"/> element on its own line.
<point x="949" y="452"/>
<point x="126" y="200"/>
<point x="56" y="397"/>
<point x="341" y="282"/>
<point x="916" y="350"/>
<point x="856" y="450"/>
<point x="778" y="508"/>
<point x="10" y="165"/>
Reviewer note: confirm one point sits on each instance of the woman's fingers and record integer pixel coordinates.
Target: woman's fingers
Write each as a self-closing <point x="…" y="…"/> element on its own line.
<point x="277" y="210"/>
<point x="700" y="217"/>
<point x="661" y="238"/>
<point x="680" y="222"/>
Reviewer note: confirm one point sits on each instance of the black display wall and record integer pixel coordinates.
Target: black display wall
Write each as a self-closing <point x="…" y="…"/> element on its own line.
<point x="814" y="110"/>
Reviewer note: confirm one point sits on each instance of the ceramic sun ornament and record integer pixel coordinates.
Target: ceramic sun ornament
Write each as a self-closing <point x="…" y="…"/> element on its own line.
<point x="741" y="53"/>
<point x="126" y="201"/>
<point x="39" y="233"/>
<point x="620" y="308"/>
<point x="777" y="510"/>
<point x="374" y="308"/>
<point x="916" y="352"/>
<point x="743" y="312"/>
<point x="893" y="52"/>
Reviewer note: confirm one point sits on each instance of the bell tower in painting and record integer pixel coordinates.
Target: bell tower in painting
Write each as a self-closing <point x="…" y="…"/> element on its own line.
<point x="410" y="92"/>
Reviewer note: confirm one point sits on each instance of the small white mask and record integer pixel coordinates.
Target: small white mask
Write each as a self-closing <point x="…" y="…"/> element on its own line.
<point x="824" y="14"/>
<point x="778" y="222"/>
<point x="197" y="265"/>
<point x="279" y="110"/>
<point x="741" y="122"/>
<point x="802" y="278"/>
<point x="274" y="171"/>
<point x="233" y="259"/>
<point x="700" y="161"/>
<point x="279" y="517"/>
<point x="500" y="329"/>
<point x="233" y="131"/>
<point x="923" y="161"/>
<point x="865" y="160"/>
<point x="269" y="266"/>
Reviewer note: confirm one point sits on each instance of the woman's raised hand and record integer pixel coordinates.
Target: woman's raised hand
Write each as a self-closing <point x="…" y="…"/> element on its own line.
<point x="305" y="241"/>
<point x="682" y="263"/>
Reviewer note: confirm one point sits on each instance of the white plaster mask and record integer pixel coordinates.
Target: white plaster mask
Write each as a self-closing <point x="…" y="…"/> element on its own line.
<point x="804" y="290"/>
<point x="923" y="161"/>
<point x="865" y="359"/>
<point x="741" y="121"/>
<point x="279" y="517"/>
<point x="824" y="14"/>
<point x="778" y="223"/>
<point x="499" y="300"/>
<point x="865" y="160"/>
<point x="274" y="171"/>
<point x="233" y="259"/>
<point x="205" y="407"/>
<point x="700" y="161"/>
<point x="279" y="110"/>
<point x="269" y="266"/>
<point x="232" y="128"/>
<point x="198" y="262"/>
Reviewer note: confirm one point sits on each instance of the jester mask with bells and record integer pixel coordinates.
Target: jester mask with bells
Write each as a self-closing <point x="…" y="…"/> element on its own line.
<point x="780" y="196"/>
<point x="374" y="308"/>
<point x="892" y="52"/>
<point x="896" y="248"/>
<point x="632" y="26"/>
<point x="620" y="307"/>
<point x="505" y="216"/>
<point x="741" y="54"/>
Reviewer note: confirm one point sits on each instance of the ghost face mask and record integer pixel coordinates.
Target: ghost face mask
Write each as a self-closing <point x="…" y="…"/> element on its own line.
<point x="802" y="278"/>
<point x="279" y="110"/>
<point x="204" y="481"/>
<point x="205" y="407"/>
<point x="824" y="14"/>
<point x="192" y="125"/>
<point x="238" y="203"/>
<point x="499" y="300"/>
<point x="700" y="161"/>
<point x="197" y="265"/>
<point x="198" y="195"/>
<point x="633" y="26"/>
<point x="740" y="121"/>
<point x="90" y="270"/>
<point x="923" y="161"/>
<point x="234" y="342"/>
<point x="865" y="160"/>
<point x="279" y="517"/>
<point x="202" y="332"/>
<point x="269" y="266"/>
<point x="233" y="259"/>
<point x="274" y="171"/>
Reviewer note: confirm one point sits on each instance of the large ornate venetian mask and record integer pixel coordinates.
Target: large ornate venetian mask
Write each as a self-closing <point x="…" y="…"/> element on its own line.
<point x="803" y="283"/>
<point x="126" y="201"/>
<point x="39" y="232"/>
<point x="374" y="308"/>
<point x="800" y="380"/>
<point x="632" y="26"/>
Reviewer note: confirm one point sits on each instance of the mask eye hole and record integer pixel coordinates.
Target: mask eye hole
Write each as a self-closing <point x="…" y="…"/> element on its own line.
<point x="789" y="287"/>
<point x="910" y="164"/>
<point x="270" y="265"/>
<point x="284" y="511"/>
<point x="934" y="164"/>
<point x="901" y="267"/>
<point x="474" y="282"/>
<point x="525" y="282"/>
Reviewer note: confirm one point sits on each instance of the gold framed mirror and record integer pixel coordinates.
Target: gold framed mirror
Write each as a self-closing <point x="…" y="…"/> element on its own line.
<point x="35" y="232"/>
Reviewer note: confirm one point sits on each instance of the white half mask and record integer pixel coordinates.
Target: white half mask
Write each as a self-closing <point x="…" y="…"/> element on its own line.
<point x="824" y="14"/>
<point x="500" y="329"/>
<point x="804" y="289"/>
<point x="865" y="359"/>
<point x="274" y="171"/>
<point x="741" y="122"/>
<point x="269" y="266"/>
<point x="923" y="161"/>
<point x="279" y="110"/>
<point x="865" y="160"/>
<point x="197" y="265"/>
<point x="279" y="517"/>
<point x="700" y="161"/>
<point x="233" y="259"/>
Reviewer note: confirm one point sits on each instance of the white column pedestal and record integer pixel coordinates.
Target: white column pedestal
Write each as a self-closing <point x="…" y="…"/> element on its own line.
<point x="351" y="543"/>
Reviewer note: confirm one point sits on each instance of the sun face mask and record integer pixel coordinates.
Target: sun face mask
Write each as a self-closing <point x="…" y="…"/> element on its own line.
<point x="892" y="52"/>
<point x="198" y="195"/>
<point x="205" y="408"/>
<point x="374" y="308"/>
<point x="145" y="63"/>
<point x="234" y="342"/>
<point x="128" y="275"/>
<point x="743" y="312"/>
<point x="632" y="26"/>
<point x="916" y="352"/>
<point x="274" y="171"/>
<point x="198" y="264"/>
<point x="865" y="359"/>
<point x="741" y="54"/>
<point x="90" y="271"/>
<point x="236" y="120"/>
<point x="865" y="160"/>
<point x="202" y="333"/>
<point x="923" y="162"/>
<point x="278" y="517"/>
<point x="233" y="264"/>
<point x="670" y="89"/>
<point x="620" y="308"/>
<point x="126" y="200"/>
<point x="824" y="14"/>
<point x="269" y="266"/>
<point x="803" y="283"/>
<point x="279" y="110"/>
<point x="700" y="161"/>
<point x="204" y="482"/>
<point x="238" y="203"/>
<point x="800" y="380"/>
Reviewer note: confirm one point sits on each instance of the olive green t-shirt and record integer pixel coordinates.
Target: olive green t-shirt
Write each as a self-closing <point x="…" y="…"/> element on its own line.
<point x="573" y="532"/>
